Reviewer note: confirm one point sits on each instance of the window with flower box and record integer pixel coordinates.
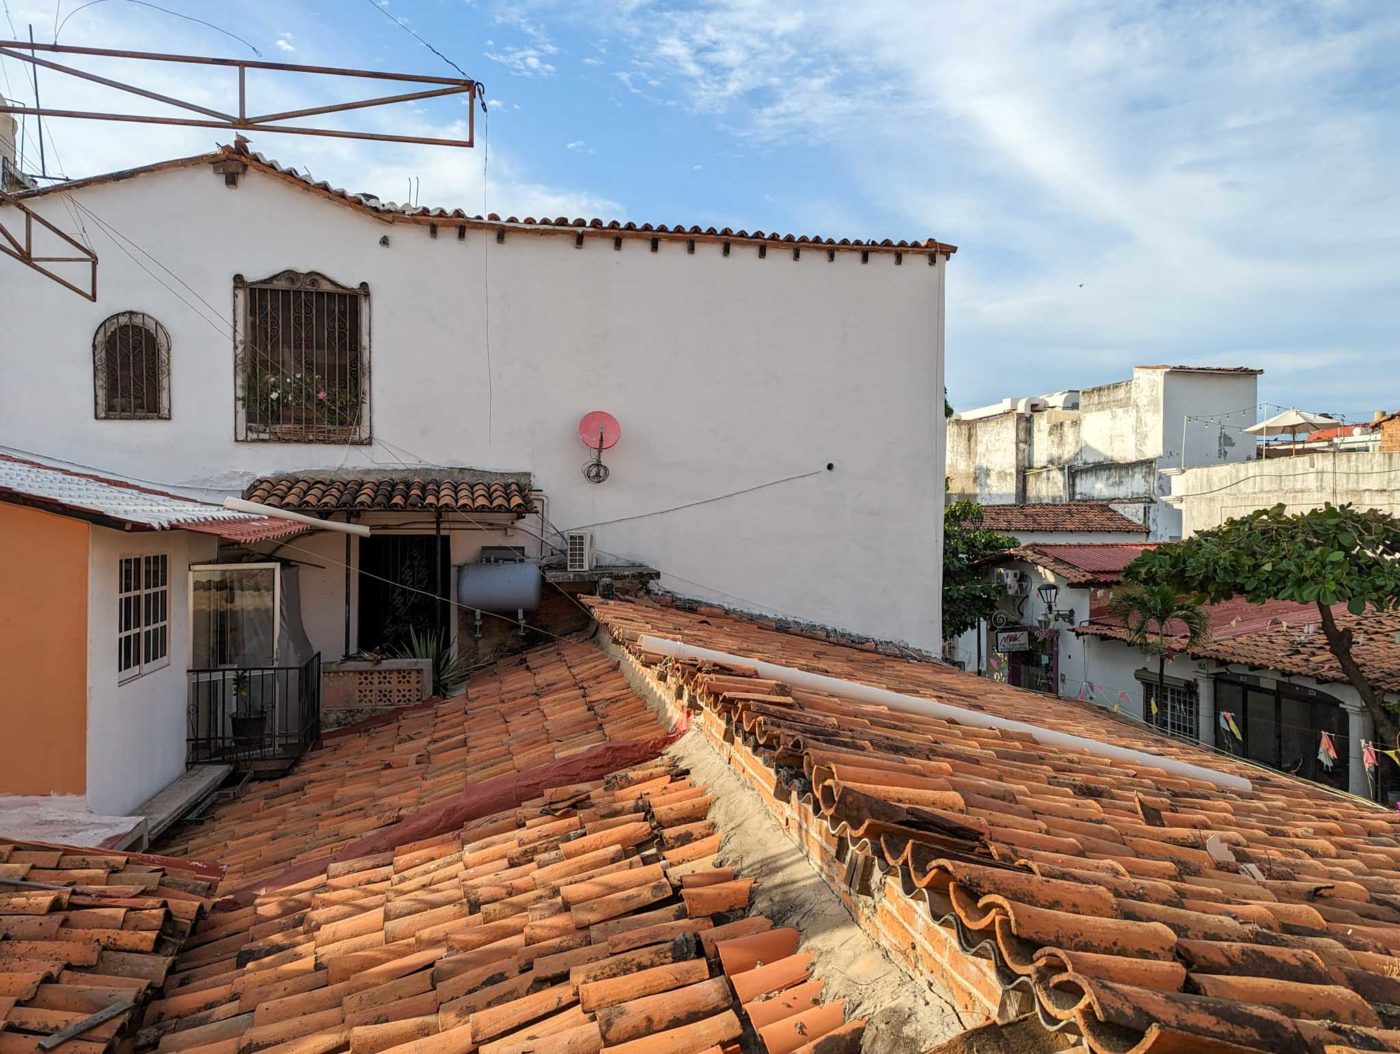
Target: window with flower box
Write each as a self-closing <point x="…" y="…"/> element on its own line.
<point x="302" y="360"/>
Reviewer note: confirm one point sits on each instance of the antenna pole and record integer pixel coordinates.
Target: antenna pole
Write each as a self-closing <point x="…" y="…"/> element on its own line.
<point x="43" y="164"/>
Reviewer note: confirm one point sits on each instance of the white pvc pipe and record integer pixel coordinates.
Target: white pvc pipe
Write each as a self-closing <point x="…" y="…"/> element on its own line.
<point x="865" y="693"/>
<point x="239" y="505"/>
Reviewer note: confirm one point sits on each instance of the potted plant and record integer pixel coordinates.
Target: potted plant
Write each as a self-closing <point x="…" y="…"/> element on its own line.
<point x="249" y="721"/>
<point x="296" y="406"/>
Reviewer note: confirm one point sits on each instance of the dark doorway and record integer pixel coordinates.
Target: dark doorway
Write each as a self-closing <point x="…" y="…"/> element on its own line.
<point x="403" y="587"/>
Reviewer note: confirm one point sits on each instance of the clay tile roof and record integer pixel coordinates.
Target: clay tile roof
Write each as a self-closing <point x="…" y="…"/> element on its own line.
<point x="1141" y="908"/>
<point x="1085" y="564"/>
<point x="86" y="932"/>
<point x="1067" y="516"/>
<point x="460" y="490"/>
<point x="391" y="210"/>
<point x="577" y="912"/>
<point x="1284" y="636"/>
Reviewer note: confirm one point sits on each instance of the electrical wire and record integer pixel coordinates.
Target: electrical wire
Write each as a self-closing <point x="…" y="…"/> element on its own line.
<point x="58" y="26"/>
<point x="701" y="501"/>
<point x="405" y="27"/>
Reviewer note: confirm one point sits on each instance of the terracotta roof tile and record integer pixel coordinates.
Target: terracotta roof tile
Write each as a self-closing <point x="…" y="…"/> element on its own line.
<point x="1149" y="911"/>
<point x="83" y="931"/>
<point x="1059" y="517"/>
<point x="559" y="224"/>
<point x="1081" y="564"/>
<point x="515" y="715"/>
<point x="1282" y="635"/>
<point x="502" y="936"/>
<point x="460" y="490"/>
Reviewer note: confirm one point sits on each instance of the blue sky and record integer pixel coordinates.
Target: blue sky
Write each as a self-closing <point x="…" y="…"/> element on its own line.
<point x="1135" y="181"/>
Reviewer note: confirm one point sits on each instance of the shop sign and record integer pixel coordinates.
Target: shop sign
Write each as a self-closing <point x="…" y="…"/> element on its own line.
<point x="1013" y="640"/>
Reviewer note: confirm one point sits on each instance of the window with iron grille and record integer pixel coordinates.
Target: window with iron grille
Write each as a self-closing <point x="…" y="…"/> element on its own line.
<point x="143" y="614"/>
<point x="131" y="368"/>
<point x="302" y="360"/>
<point x="1176" y="712"/>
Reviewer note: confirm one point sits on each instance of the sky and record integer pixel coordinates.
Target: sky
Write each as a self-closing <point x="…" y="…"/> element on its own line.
<point x="1209" y="182"/>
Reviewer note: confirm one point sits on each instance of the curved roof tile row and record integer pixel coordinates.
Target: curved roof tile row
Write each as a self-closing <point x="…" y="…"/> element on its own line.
<point x="1151" y="912"/>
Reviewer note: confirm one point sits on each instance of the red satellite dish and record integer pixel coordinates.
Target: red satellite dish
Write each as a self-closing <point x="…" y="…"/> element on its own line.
<point x="599" y="430"/>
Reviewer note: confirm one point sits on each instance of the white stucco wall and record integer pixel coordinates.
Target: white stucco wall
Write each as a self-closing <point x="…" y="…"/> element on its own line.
<point x="136" y="730"/>
<point x="1209" y="496"/>
<point x="725" y="372"/>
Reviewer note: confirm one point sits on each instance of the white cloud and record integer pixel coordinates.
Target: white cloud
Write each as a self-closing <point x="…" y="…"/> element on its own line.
<point x="1219" y="177"/>
<point x="524" y="61"/>
<point x="577" y="144"/>
<point x="284" y="43"/>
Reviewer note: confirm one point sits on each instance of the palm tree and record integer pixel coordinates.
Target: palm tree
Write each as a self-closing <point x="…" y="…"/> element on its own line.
<point x="1154" y="618"/>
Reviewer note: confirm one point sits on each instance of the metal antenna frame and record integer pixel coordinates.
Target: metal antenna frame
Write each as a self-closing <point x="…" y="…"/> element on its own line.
<point x="21" y="247"/>
<point x="205" y="117"/>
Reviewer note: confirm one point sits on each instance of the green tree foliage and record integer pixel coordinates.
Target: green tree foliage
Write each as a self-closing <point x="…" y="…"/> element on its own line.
<point x="1155" y="618"/>
<point x="1332" y="555"/>
<point x="969" y="593"/>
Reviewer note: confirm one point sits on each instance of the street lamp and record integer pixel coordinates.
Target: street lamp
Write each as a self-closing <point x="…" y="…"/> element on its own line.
<point x="1048" y="594"/>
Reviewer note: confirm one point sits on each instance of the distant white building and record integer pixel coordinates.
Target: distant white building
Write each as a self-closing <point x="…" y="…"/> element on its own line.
<point x="1110" y="443"/>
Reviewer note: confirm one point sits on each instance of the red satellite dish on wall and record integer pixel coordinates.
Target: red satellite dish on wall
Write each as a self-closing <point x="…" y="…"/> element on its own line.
<point x="599" y="430"/>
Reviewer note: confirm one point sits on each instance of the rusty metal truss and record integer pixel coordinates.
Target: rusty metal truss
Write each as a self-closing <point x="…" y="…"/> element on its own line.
<point x="17" y="239"/>
<point x="239" y="120"/>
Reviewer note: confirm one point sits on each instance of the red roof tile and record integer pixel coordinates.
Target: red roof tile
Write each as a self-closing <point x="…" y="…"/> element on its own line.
<point x="1284" y="636"/>
<point x="1145" y="910"/>
<point x="577" y="227"/>
<point x="1087" y="564"/>
<point x="460" y="490"/>
<point x="1059" y="517"/>
<point x="87" y="932"/>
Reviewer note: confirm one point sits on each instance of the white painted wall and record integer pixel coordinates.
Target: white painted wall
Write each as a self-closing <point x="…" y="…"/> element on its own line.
<point x="1209" y="496"/>
<point x="725" y="372"/>
<point x="136" y="730"/>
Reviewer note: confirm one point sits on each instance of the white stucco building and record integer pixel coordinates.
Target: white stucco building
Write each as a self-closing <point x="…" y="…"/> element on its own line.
<point x="1109" y="443"/>
<point x="779" y="398"/>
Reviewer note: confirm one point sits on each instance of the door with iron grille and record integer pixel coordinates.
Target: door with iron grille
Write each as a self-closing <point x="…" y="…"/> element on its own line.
<point x="403" y="588"/>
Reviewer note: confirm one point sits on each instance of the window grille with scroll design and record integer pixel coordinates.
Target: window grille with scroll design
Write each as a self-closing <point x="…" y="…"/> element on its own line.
<point x="302" y="363"/>
<point x="131" y="368"/>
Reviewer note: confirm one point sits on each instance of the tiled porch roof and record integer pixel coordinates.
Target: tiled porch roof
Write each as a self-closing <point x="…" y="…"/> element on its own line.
<point x="122" y="504"/>
<point x="458" y="490"/>
<point x="1150" y="912"/>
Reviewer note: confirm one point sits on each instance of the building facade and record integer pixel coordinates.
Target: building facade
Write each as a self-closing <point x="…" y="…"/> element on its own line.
<point x="419" y="345"/>
<point x="1110" y="443"/>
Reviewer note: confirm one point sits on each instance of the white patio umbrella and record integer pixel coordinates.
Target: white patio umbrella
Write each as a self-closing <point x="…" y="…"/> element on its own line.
<point x="1291" y="422"/>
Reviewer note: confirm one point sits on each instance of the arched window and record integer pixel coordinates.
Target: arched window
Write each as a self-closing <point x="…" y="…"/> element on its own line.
<point x="131" y="368"/>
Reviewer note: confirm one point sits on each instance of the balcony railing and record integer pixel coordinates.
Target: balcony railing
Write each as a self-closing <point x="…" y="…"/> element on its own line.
<point x="260" y="718"/>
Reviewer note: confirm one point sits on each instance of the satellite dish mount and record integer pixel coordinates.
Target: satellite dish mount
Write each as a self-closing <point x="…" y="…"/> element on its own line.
<point x="598" y="430"/>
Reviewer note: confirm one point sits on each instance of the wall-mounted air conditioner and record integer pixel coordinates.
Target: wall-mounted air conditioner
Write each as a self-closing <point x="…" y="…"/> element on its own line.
<point x="1014" y="582"/>
<point x="580" y="550"/>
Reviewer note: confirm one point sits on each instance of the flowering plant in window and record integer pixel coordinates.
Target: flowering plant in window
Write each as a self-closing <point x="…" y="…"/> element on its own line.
<point x="278" y="400"/>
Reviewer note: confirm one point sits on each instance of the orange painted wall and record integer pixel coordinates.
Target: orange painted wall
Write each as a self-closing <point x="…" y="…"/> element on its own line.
<point x="43" y="652"/>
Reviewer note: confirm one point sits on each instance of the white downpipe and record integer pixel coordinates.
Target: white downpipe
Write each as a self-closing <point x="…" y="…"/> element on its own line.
<point x="239" y="505"/>
<point x="865" y="693"/>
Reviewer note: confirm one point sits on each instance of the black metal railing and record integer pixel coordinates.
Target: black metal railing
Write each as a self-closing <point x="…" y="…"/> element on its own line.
<point x="255" y="717"/>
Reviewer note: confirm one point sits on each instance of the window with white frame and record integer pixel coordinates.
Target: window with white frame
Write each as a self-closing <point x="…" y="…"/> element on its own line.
<point x="143" y="614"/>
<point x="1176" y="711"/>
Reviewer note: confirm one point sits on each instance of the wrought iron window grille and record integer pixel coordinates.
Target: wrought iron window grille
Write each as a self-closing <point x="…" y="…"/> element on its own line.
<point x="302" y="360"/>
<point x="131" y="369"/>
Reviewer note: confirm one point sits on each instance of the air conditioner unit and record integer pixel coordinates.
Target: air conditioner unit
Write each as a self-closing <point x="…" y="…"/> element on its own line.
<point x="580" y="548"/>
<point x="1014" y="582"/>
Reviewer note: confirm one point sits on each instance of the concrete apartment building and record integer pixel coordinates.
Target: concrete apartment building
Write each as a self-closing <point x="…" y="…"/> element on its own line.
<point x="1111" y="443"/>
